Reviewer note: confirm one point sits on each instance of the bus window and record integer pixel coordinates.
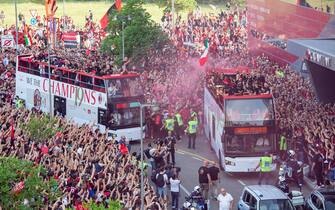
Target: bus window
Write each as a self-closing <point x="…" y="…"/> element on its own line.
<point x="123" y="117"/>
<point x="114" y="88"/>
<point x="86" y="81"/>
<point x="24" y="65"/>
<point x="65" y="76"/>
<point x="249" y="111"/>
<point x="58" y="73"/>
<point x="124" y="87"/>
<point x="235" y="144"/>
<point x="250" y="143"/>
<point x="52" y="72"/>
<point x="99" y="85"/>
<point x="35" y="69"/>
<point x="72" y="77"/>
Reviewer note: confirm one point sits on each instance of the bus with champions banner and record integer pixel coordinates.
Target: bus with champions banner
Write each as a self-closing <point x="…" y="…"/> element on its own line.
<point x="107" y="102"/>
<point x="240" y="127"/>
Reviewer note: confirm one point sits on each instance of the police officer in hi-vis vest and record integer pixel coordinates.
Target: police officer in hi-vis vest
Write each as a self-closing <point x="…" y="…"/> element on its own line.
<point x="265" y="165"/>
<point x="191" y="131"/>
<point x="179" y="125"/>
<point x="169" y="125"/>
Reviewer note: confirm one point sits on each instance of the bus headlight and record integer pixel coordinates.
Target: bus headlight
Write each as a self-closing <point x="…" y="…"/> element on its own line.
<point x="228" y="162"/>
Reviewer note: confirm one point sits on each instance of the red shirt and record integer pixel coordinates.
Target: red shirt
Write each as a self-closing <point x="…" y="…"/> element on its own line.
<point x="45" y="150"/>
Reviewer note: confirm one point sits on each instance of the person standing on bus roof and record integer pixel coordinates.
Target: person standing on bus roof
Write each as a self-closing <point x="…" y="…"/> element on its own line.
<point x="179" y="124"/>
<point x="191" y="130"/>
<point x="265" y="165"/>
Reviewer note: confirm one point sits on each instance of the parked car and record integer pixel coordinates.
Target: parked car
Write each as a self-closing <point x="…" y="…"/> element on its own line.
<point x="264" y="197"/>
<point x="321" y="199"/>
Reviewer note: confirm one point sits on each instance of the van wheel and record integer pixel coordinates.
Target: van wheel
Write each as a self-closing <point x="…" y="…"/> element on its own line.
<point x="220" y="162"/>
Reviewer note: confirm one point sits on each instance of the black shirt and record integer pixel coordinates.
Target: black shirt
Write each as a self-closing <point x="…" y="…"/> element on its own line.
<point x="214" y="173"/>
<point x="171" y="141"/>
<point x="318" y="161"/>
<point x="202" y="172"/>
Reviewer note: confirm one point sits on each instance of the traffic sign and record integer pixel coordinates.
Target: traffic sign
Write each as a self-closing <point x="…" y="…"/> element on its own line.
<point x="33" y="21"/>
<point x="7" y="41"/>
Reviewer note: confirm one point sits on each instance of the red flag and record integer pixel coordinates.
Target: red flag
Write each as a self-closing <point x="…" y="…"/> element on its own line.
<point x="105" y="19"/>
<point x="118" y="4"/>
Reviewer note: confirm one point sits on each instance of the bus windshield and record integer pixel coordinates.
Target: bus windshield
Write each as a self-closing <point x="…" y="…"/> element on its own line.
<point x="249" y="144"/>
<point x="124" y="87"/>
<point x="248" y="111"/>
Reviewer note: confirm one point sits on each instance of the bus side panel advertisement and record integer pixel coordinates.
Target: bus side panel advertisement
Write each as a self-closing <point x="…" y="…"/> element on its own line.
<point x="79" y="95"/>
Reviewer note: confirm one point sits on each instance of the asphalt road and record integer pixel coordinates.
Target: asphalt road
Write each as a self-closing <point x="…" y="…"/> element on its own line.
<point x="190" y="160"/>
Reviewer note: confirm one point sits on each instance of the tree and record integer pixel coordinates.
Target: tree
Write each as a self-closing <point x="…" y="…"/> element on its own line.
<point x="179" y="5"/>
<point x="113" y="205"/>
<point x="140" y="32"/>
<point x="13" y="173"/>
<point x="40" y="128"/>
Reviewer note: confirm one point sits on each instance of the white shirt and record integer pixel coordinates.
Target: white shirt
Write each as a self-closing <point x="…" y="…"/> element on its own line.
<point x="174" y="185"/>
<point x="224" y="201"/>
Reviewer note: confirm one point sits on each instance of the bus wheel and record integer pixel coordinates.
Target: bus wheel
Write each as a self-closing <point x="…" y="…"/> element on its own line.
<point x="220" y="161"/>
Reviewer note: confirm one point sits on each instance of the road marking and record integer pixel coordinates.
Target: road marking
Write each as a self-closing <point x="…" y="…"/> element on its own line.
<point x="195" y="155"/>
<point x="181" y="186"/>
<point x="197" y="158"/>
<point x="242" y="183"/>
<point x="185" y="190"/>
<point x="181" y="153"/>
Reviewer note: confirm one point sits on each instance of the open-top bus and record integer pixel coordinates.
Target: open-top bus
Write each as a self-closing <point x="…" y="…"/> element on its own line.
<point x="240" y="128"/>
<point x="108" y="102"/>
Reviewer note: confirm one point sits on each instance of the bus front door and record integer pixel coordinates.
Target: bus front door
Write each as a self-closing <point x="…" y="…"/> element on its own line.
<point x="59" y="106"/>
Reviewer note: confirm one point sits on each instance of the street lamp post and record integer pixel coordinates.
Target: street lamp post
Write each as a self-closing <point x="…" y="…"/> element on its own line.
<point x="172" y="11"/>
<point x="49" y="78"/>
<point x="123" y="19"/>
<point x="16" y="37"/>
<point x="142" y="168"/>
<point x="122" y="40"/>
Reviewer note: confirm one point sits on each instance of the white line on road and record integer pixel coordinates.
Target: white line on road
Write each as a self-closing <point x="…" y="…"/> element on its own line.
<point x="196" y="158"/>
<point x="242" y="183"/>
<point x="181" y="186"/>
<point x="185" y="190"/>
<point x="180" y="153"/>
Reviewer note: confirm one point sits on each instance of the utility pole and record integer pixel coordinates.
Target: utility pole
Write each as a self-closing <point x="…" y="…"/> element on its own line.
<point x="172" y="11"/>
<point x="122" y="40"/>
<point x="142" y="106"/>
<point x="49" y="77"/>
<point x="16" y="36"/>
<point x="63" y="15"/>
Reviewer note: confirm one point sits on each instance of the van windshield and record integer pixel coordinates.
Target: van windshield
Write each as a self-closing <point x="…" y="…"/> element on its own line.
<point x="275" y="204"/>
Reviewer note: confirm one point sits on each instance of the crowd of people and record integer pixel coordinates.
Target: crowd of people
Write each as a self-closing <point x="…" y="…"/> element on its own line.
<point x="222" y="84"/>
<point x="85" y="163"/>
<point x="226" y="31"/>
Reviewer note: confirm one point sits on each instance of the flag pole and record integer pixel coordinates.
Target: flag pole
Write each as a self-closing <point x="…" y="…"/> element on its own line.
<point x="16" y="34"/>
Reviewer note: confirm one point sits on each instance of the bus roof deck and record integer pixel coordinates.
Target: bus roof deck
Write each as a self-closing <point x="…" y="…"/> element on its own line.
<point x="238" y="83"/>
<point x="29" y="64"/>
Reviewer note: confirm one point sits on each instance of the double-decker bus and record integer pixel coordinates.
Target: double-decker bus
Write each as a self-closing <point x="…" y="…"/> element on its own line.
<point x="107" y="102"/>
<point x="240" y="127"/>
